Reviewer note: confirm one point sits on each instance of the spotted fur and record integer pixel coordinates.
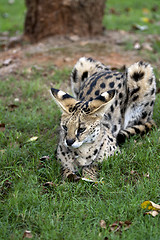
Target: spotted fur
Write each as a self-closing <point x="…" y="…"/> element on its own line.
<point x="108" y="106"/>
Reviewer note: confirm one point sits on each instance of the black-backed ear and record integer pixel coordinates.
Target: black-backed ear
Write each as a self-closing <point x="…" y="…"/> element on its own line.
<point x="100" y="104"/>
<point x="64" y="100"/>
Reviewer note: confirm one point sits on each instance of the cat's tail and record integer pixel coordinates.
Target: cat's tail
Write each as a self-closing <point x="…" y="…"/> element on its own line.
<point x="134" y="130"/>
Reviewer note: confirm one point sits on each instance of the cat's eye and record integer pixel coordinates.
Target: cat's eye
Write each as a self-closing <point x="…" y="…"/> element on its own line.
<point x="64" y="127"/>
<point x="81" y="130"/>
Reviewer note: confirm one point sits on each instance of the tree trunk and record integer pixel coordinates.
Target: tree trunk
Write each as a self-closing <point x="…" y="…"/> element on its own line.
<point x="63" y="17"/>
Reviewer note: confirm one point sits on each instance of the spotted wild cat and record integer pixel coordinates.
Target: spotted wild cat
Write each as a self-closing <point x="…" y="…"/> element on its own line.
<point x="107" y="107"/>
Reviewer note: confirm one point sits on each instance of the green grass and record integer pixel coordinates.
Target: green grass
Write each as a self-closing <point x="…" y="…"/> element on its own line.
<point x="125" y="14"/>
<point x="118" y="15"/>
<point x="12" y="16"/>
<point x="67" y="210"/>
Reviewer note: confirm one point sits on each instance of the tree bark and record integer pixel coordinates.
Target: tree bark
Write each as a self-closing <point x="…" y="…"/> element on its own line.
<point x="63" y="17"/>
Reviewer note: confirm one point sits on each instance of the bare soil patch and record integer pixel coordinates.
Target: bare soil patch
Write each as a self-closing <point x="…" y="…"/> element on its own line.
<point x="65" y="51"/>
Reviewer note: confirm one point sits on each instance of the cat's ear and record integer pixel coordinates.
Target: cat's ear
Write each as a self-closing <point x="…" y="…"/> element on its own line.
<point x="100" y="104"/>
<point x="64" y="100"/>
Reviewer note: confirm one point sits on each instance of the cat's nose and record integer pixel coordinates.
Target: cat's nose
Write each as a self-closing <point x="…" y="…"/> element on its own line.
<point x="70" y="142"/>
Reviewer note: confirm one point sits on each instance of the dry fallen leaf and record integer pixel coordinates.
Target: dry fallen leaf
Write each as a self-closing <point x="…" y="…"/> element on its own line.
<point x="146" y="20"/>
<point x="137" y="46"/>
<point x="102" y="224"/>
<point x="152" y="213"/>
<point x="2" y="127"/>
<point x="119" y="225"/>
<point x="92" y="180"/>
<point x="139" y="27"/>
<point x="150" y="206"/>
<point x="44" y="158"/>
<point x="155" y="208"/>
<point x="7" y="62"/>
<point x="48" y="184"/>
<point x="146" y="175"/>
<point x="42" y="161"/>
<point x="74" y="38"/>
<point x="32" y="139"/>
<point x="145" y="10"/>
<point x="155" y="8"/>
<point x="12" y="107"/>
<point x="16" y="99"/>
<point x="113" y="11"/>
<point x="147" y="46"/>
<point x="27" y="234"/>
<point x="2" y="151"/>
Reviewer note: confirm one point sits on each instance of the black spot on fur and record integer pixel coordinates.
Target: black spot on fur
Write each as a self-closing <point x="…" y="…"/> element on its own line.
<point x="106" y="125"/>
<point x="98" y="66"/>
<point x="103" y="85"/>
<point x="115" y="74"/>
<point x="151" y="104"/>
<point x="114" y="129"/>
<point x="112" y="108"/>
<point x="76" y="154"/>
<point x="101" y="146"/>
<point x="116" y="102"/>
<point x="89" y="91"/>
<point x="108" y="77"/>
<point x="120" y="95"/>
<point x="135" y="98"/>
<point x="81" y="95"/>
<point x="65" y="96"/>
<point x="137" y="76"/>
<point x="63" y="153"/>
<point x="147" y="128"/>
<point x="111" y="84"/>
<point x="84" y="75"/>
<point x="101" y="98"/>
<point x="150" y="80"/>
<point x="137" y="130"/>
<point x="119" y="85"/>
<point x="141" y="63"/>
<point x="74" y="75"/>
<point x="95" y="151"/>
<point x="121" y="138"/>
<point x="135" y="91"/>
<point x="97" y="93"/>
<point x="144" y="115"/>
<point x="90" y="59"/>
<point x="153" y="91"/>
<point x="109" y="116"/>
<point x="111" y="139"/>
<point x="146" y="104"/>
